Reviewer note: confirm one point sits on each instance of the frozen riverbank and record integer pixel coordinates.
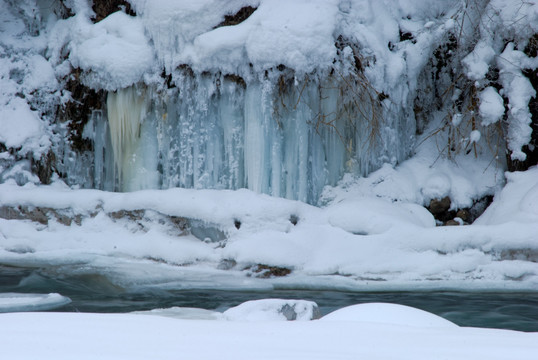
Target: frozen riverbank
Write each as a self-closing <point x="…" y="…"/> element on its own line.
<point x="209" y="238"/>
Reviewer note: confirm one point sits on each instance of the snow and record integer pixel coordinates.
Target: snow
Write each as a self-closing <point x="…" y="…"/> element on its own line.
<point x="478" y="61"/>
<point x="114" y="51"/>
<point x="370" y="229"/>
<point x="475" y="136"/>
<point x="516" y="202"/>
<point x="514" y="22"/>
<point x="491" y="106"/>
<point x="368" y="243"/>
<point x="519" y="91"/>
<point x="273" y="310"/>
<point x="424" y="177"/>
<point x="382" y="313"/>
<point x="257" y="130"/>
<point x="374" y="216"/>
<point x="22" y="128"/>
<point x="184" y="34"/>
<point x="185" y="313"/>
<point x="15" y="302"/>
<point x="134" y="336"/>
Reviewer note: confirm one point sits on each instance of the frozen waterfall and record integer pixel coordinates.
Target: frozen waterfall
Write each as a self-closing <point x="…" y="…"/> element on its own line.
<point x="277" y="135"/>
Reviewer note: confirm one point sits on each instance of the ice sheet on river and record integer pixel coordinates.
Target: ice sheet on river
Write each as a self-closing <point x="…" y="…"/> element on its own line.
<point x="16" y="302"/>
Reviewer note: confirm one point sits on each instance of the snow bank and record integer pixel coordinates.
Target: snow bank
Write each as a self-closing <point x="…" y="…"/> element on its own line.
<point x="393" y="314"/>
<point x="342" y="245"/>
<point x="89" y="336"/>
<point x="517" y="202"/>
<point x="424" y="177"/>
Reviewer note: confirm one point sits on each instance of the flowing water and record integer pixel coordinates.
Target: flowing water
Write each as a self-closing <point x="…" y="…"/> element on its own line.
<point x="95" y="293"/>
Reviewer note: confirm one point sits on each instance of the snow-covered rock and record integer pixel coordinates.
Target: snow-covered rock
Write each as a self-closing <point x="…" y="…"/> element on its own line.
<point x="274" y="310"/>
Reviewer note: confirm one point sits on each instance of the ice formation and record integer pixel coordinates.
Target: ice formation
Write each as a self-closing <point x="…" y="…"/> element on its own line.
<point x="18" y="302"/>
<point x="283" y="101"/>
<point x="278" y="135"/>
<point x="127" y="110"/>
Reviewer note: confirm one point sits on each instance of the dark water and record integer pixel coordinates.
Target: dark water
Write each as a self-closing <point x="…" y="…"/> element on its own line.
<point x="95" y="293"/>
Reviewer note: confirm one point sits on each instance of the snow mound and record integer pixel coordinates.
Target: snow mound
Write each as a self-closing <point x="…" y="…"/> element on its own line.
<point x="374" y="216"/>
<point x="273" y="310"/>
<point x="115" y="51"/>
<point x="391" y="314"/>
<point x="15" y="302"/>
<point x="517" y="202"/>
<point x="420" y="179"/>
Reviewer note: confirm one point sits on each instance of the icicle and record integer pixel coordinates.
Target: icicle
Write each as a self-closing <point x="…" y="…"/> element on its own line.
<point x="257" y="159"/>
<point x="126" y="111"/>
<point x="277" y="135"/>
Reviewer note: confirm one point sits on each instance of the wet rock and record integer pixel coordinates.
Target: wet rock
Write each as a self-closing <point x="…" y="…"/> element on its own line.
<point x="267" y="271"/>
<point x="453" y="222"/>
<point x="11" y="213"/>
<point x="236" y="79"/>
<point x="439" y="206"/>
<point x="440" y="209"/>
<point x="238" y="17"/>
<point x="227" y="264"/>
<point x="103" y="8"/>
<point x="180" y="223"/>
<point x="237" y="224"/>
<point x="133" y="215"/>
<point x="294" y="219"/>
<point x="76" y="112"/>
<point x="479" y="206"/>
<point x="44" y="167"/>
<point x="519" y="254"/>
<point x="38" y="214"/>
<point x="206" y="232"/>
<point x="464" y="215"/>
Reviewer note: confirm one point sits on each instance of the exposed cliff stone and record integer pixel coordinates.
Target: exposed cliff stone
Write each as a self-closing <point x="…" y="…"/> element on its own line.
<point x="237" y="18"/>
<point x="103" y="8"/>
